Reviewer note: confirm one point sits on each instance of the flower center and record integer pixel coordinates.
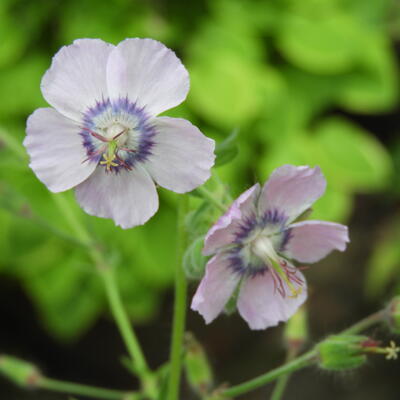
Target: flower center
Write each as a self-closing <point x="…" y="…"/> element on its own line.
<point x="117" y="132"/>
<point x="117" y="135"/>
<point x="263" y="248"/>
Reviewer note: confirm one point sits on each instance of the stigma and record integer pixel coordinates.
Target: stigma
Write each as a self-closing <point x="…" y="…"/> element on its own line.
<point x="283" y="274"/>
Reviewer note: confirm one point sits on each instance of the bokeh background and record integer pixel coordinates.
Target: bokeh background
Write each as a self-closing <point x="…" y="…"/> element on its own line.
<point x="299" y="81"/>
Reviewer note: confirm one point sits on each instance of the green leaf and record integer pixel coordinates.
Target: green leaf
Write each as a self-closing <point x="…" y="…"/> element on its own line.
<point x="374" y="85"/>
<point x="384" y="264"/>
<point x="351" y="157"/>
<point x="67" y="293"/>
<point x="321" y="44"/>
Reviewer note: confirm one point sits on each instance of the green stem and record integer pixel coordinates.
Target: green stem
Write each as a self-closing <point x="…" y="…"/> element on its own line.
<point x="298" y="363"/>
<point x="123" y="323"/>
<point x="121" y="318"/>
<point x="13" y="144"/>
<point x="80" y="390"/>
<point x="211" y="198"/>
<point x="283" y="380"/>
<point x="178" y="328"/>
<point x="365" y="323"/>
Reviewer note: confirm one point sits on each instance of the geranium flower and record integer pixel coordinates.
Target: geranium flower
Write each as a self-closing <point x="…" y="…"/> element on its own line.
<point x="253" y="242"/>
<point x="103" y="137"/>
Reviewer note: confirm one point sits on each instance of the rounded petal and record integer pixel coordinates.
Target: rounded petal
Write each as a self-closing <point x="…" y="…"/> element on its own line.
<point x="148" y="73"/>
<point x="223" y="231"/>
<point x="129" y="197"/>
<point x="77" y="78"/>
<point x="262" y="306"/>
<point x="310" y="241"/>
<point x="181" y="157"/>
<point x="56" y="151"/>
<point x="292" y="190"/>
<point x="215" y="289"/>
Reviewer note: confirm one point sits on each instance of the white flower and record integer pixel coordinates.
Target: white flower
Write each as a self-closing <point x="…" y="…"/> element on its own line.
<point x="103" y="137"/>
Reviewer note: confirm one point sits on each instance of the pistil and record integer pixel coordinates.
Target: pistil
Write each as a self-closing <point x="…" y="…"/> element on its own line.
<point x="263" y="248"/>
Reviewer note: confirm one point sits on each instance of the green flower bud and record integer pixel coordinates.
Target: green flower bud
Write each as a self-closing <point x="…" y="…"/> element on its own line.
<point x="342" y="352"/>
<point x="393" y="311"/>
<point x="193" y="260"/>
<point x="19" y="371"/>
<point x="296" y="330"/>
<point x="197" y="368"/>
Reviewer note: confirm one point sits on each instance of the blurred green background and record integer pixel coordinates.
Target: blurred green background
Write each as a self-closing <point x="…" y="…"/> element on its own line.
<point x="302" y="81"/>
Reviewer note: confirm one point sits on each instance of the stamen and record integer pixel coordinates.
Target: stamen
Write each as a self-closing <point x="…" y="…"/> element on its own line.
<point x="281" y="271"/>
<point x="119" y="134"/>
<point x="96" y="135"/>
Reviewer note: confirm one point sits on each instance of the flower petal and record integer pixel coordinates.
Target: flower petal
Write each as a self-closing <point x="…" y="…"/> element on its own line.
<point x="292" y="190"/>
<point x="129" y="197"/>
<point x="310" y="241"/>
<point x="262" y="306"/>
<point x="215" y="289"/>
<point x="182" y="156"/>
<point x="223" y="231"/>
<point x="148" y="73"/>
<point x="56" y="150"/>
<point x="77" y="77"/>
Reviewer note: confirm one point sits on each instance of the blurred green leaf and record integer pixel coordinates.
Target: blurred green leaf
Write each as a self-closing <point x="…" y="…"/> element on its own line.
<point x="351" y="157"/>
<point x="67" y="293"/>
<point x="327" y="44"/>
<point x="384" y="264"/>
<point x="374" y="85"/>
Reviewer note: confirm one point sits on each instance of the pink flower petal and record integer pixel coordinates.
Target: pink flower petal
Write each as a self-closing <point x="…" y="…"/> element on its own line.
<point x="182" y="156"/>
<point x="262" y="306"/>
<point x="292" y="190"/>
<point x="223" y="231"/>
<point x="77" y="77"/>
<point x="215" y="289"/>
<point x="312" y="240"/>
<point x="128" y="197"/>
<point x="149" y="73"/>
<point x="56" y="150"/>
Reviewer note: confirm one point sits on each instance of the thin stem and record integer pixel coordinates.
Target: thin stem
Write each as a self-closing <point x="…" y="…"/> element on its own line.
<point x="178" y="329"/>
<point x="211" y="198"/>
<point x="13" y="144"/>
<point x="80" y="390"/>
<point x="123" y="322"/>
<point x="283" y="380"/>
<point x="119" y="313"/>
<point x="300" y="362"/>
<point x="365" y="323"/>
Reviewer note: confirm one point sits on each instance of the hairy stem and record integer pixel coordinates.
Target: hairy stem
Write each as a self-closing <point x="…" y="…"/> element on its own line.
<point x="283" y="380"/>
<point x="113" y="296"/>
<point x="365" y="323"/>
<point x="178" y="329"/>
<point x="300" y="362"/>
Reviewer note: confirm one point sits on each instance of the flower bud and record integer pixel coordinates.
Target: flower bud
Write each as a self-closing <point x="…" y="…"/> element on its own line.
<point x="193" y="260"/>
<point x="342" y="352"/>
<point x="19" y="371"/>
<point x="296" y="330"/>
<point x="393" y="311"/>
<point x="198" y="371"/>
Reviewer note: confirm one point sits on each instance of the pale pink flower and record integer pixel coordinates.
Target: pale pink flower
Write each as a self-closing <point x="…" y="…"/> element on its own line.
<point x="253" y="242"/>
<point x="103" y="137"/>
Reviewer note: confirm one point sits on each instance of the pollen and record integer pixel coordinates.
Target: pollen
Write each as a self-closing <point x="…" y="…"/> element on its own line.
<point x="109" y="161"/>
